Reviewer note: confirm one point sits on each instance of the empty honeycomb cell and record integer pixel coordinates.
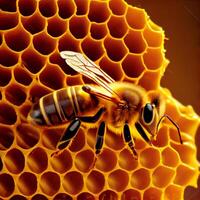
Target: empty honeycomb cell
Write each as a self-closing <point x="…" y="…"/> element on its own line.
<point x="81" y="7"/>
<point x="62" y="162"/>
<point x="27" y="8"/>
<point x="84" y="160"/>
<point x="150" y="158"/>
<point x="108" y="194"/>
<point x="98" y="31"/>
<point x="173" y="192"/>
<point x="7" y="137"/>
<point x="162" y="137"/>
<point x="34" y="24"/>
<point x="133" y="65"/>
<point x="27" y="136"/>
<point x="131" y="194"/>
<point x="79" y="26"/>
<point x="91" y="137"/>
<point x="95" y="182"/>
<point x="17" y="39"/>
<point x="140" y="144"/>
<point x="7" y="114"/>
<point x="117" y="7"/>
<point x="62" y="196"/>
<point x="140" y="179"/>
<point x="85" y="195"/>
<point x="98" y="11"/>
<point x="5" y="76"/>
<point x="115" y="48"/>
<point x="106" y="160"/>
<point x="66" y="8"/>
<point x="22" y="76"/>
<point x="56" y="26"/>
<point x="8" y="20"/>
<point x="39" y="197"/>
<point x="14" y="161"/>
<point x="162" y="176"/>
<point x="146" y="79"/>
<point x="43" y="43"/>
<point x="170" y="157"/>
<point x="118" y="180"/>
<point x="113" y="69"/>
<point x="113" y="26"/>
<point x="74" y="80"/>
<point x="135" y="42"/>
<point x="24" y="110"/>
<point x="7" y="185"/>
<point x="73" y="182"/>
<point x="50" y="183"/>
<point x="27" y="183"/>
<point x="126" y="160"/>
<point x="47" y="8"/>
<point x="15" y="94"/>
<point x="153" y="38"/>
<point x="18" y="197"/>
<point x="93" y="49"/>
<point x="37" y="160"/>
<point x="7" y="57"/>
<point x="152" y="194"/>
<point x="32" y="60"/>
<point x="9" y="6"/>
<point x="52" y="77"/>
<point x="136" y="17"/>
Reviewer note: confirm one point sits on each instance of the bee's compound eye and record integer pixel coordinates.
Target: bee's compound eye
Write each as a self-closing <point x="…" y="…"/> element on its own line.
<point x="148" y="113"/>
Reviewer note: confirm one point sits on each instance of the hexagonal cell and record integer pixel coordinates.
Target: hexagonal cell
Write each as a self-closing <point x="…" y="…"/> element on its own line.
<point x="52" y="77"/>
<point x="113" y="26"/>
<point x="27" y="8"/>
<point x="9" y="6"/>
<point x="22" y="76"/>
<point x="173" y="192"/>
<point x="5" y="76"/>
<point x="95" y="182"/>
<point x="7" y="57"/>
<point x="43" y="43"/>
<point x="81" y="7"/>
<point x="74" y="80"/>
<point x="170" y="157"/>
<point x="47" y="8"/>
<point x="66" y="5"/>
<point x="27" y="136"/>
<point x="6" y="138"/>
<point x="33" y="60"/>
<point x="136" y="17"/>
<point x="106" y="161"/>
<point x="56" y="26"/>
<point x="73" y="182"/>
<point x="7" y="114"/>
<point x="27" y="183"/>
<point x="8" y="20"/>
<point x="37" y="160"/>
<point x="131" y="194"/>
<point x="17" y="39"/>
<point x="84" y="160"/>
<point x="162" y="176"/>
<point x="146" y="158"/>
<point x="62" y="196"/>
<point x="14" y="161"/>
<point x="34" y="24"/>
<point x="98" y="31"/>
<point x="93" y="49"/>
<point x="15" y="94"/>
<point x="117" y="7"/>
<point x="188" y="172"/>
<point x="62" y="162"/>
<point x="18" y="197"/>
<point x="118" y="180"/>
<point x="39" y="197"/>
<point x="108" y="194"/>
<point x="152" y="193"/>
<point x="98" y="11"/>
<point x="79" y="26"/>
<point x="115" y="48"/>
<point x="7" y="185"/>
<point x="126" y="160"/>
<point x="135" y="42"/>
<point x="133" y="65"/>
<point x="50" y="183"/>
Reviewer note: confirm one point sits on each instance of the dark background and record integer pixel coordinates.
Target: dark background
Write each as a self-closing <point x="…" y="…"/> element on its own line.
<point x="181" y="21"/>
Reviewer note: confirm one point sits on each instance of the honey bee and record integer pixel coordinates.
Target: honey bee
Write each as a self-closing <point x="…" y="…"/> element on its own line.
<point x="111" y="105"/>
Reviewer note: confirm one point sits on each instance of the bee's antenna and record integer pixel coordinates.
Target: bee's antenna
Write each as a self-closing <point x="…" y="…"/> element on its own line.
<point x="174" y="123"/>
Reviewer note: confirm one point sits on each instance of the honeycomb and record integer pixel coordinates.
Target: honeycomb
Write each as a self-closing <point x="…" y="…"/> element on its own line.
<point x="128" y="46"/>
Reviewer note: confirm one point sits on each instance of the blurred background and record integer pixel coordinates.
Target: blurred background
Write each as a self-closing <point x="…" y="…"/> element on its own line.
<point x="181" y="21"/>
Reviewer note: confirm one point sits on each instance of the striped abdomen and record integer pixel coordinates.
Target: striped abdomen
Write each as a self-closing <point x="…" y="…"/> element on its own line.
<point x="62" y="105"/>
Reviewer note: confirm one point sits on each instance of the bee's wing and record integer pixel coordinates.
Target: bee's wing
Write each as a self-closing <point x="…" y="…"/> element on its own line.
<point x="85" y="66"/>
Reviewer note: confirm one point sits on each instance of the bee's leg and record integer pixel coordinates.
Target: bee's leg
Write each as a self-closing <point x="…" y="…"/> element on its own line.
<point x="92" y="119"/>
<point x="128" y="139"/>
